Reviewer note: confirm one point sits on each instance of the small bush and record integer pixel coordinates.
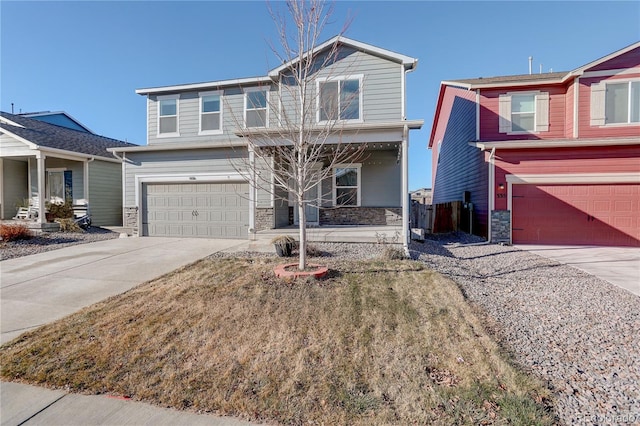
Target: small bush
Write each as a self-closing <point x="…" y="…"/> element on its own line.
<point x="393" y="253"/>
<point x="61" y="211"/>
<point x="313" y="251"/>
<point x="69" y="225"/>
<point x="14" y="232"/>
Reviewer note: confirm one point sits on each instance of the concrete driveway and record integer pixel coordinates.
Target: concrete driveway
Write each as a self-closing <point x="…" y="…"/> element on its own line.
<point x="618" y="265"/>
<point x="44" y="287"/>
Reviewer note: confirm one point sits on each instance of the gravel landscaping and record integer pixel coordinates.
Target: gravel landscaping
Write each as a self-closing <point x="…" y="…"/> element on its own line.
<point x="47" y="241"/>
<point x="578" y="333"/>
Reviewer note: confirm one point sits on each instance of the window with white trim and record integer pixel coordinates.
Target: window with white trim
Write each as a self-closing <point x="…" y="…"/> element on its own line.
<point x="524" y="112"/>
<point x="255" y="108"/>
<point x="168" y="115"/>
<point x="346" y="185"/>
<point x="339" y="98"/>
<point x="616" y="102"/>
<point x="211" y="112"/>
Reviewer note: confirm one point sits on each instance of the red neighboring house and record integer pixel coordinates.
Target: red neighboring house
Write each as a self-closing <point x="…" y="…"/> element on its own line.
<point x="545" y="158"/>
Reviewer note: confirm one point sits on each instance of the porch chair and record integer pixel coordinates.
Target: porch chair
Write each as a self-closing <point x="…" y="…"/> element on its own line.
<point x="81" y="213"/>
<point x="29" y="212"/>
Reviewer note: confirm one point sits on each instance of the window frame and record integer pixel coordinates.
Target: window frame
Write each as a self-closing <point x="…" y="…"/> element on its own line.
<point x="534" y="112"/>
<point x="266" y="107"/>
<point x="201" y="96"/>
<point x="629" y="83"/>
<point x="159" y="100"/>
<point x="339" y="79"/>
<point x="358" y="167"/>
<point x="541" y="105"/>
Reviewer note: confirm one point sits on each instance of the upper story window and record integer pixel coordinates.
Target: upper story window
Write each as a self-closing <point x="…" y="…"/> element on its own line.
<point x="168" y="115"/>
<point x="622" y="104"/>
<point x="616" y="102"/>
<point x="340" y="98"/>
<point x="255" y="108"/>
<point x="211" y="112"/>
<point x="524" y="112"/>
<point x="346" y="185"/>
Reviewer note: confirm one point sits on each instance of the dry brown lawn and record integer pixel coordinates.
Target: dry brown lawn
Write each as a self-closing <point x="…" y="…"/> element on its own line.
<point x="378" y="342"/>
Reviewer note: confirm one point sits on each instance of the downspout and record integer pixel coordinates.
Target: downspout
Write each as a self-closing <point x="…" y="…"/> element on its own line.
<point x="85" y="178"/>
<point x="405" y="190"/>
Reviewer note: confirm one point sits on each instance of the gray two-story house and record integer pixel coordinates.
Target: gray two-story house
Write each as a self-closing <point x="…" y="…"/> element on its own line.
<point x="191" y="178"/>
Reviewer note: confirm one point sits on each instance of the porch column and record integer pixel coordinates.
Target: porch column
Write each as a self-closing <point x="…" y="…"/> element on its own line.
<point x="40" y="157"/>
<point x="405" y="190"/>
<point x="252" y="194"/>
<point x="85" y="179"/>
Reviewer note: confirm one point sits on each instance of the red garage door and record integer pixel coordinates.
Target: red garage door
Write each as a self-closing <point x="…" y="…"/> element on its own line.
<point x="576" y="214"/>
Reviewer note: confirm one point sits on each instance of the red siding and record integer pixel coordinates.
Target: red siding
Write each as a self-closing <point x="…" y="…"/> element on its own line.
<point x="585" y="129"/>
<point x="568" y="111"/>
<point x="628" y="60"/>
<point x="617" y="159"/>
<point x="489" y="114"/>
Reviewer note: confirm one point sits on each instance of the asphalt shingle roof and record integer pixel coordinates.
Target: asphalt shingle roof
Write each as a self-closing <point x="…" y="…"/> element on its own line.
<point x="49" y="135"/>
<point x="513" y="78"/>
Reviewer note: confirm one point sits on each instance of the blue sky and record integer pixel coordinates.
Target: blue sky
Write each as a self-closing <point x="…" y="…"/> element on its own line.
<point x="88" y="57"/>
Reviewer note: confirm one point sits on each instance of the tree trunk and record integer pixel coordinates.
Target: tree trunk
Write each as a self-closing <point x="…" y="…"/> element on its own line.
<point x="302" y="247"/>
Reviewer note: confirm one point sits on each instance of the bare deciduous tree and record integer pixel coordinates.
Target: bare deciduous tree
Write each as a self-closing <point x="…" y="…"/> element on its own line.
<point x="302" y="142"/>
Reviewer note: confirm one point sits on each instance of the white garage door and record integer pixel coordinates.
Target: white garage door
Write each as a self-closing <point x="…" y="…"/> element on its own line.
<point x="207" y="210"/>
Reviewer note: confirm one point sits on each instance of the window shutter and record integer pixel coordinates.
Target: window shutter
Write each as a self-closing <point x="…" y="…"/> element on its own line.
<point x="598" y="95"/>
<point x="504" y="112"/>
<point x="542" y="112"/>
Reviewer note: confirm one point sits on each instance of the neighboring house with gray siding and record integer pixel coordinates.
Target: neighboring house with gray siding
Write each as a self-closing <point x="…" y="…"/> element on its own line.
<point x="42" y="160"/>
<point x="191" y="177"/>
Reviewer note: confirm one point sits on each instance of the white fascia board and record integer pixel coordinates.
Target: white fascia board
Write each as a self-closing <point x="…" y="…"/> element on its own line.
<point x="27" y="142"/>
<point x="407" y="61"/>
<point x="560" y="143"/>
<point x="9" y="122"/>
<point x="177" y="146"/>
<point x="206" y="85"/>
<point x="456" y="84"/>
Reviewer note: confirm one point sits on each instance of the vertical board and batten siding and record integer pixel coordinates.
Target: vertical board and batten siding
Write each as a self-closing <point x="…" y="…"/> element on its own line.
<point x="14" y="185"/>
<point x="585" y="129"/>
<point x="459" y="167"/>
<point x="105" y="193"/>
<point x="204" y="161"/>
<point x="489" y="114"/>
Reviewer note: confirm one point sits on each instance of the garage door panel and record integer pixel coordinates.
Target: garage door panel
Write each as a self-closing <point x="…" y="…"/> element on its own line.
<point x="196" y="210"/>
<point x="605" y="214"/>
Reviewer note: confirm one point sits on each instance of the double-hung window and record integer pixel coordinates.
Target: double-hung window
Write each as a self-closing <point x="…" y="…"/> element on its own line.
<point x="616" y="102"/>
<point x="346" y="185"/>
<point x="168" y="115"/>
<point x="340" y="98"/>
<point x="211" y="112"/>
<point x="524" y="112"/>
<point x="255" y="108"/>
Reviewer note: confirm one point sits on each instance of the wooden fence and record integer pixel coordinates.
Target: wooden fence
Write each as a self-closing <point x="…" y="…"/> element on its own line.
<point x="422" y="216"/>
<point x="448" y="217"/>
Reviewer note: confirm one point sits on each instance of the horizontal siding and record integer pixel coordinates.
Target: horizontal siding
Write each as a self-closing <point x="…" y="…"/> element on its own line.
<point x="489" y="114"/>
<point x="584" y="117"/>
<point x="565" y="161"/>
<point x="179" y="162"/>
<point x="14" y="186"/>
<point x="105" y="193"/>
<point x="381" y="179"/>
<point x="568" y="110"/>
<point x="11" y="147"/>
<point x="77" y="174"/>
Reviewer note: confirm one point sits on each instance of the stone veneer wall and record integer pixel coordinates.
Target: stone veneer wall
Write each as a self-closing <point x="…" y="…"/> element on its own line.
<point x="264" y="218"/>
<point x="500" y="226"/>
<point x="361" y="216"/>
<point x="130" y="219"/>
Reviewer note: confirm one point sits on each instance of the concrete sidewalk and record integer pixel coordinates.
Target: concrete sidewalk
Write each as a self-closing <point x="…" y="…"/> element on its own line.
<point x="31" y="405"/>
<point x="618" y="265"/>
<point x="42" y="288"/>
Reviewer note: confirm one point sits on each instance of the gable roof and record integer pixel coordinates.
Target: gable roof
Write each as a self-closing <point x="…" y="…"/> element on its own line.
<point x="408" y="63"/>
<point x="46" y="135"/>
